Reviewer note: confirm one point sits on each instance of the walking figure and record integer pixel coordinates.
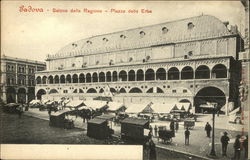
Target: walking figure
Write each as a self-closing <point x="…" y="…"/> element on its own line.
<point x="176" y="126"/>
<point x="187" y="134"/>
<point x="152" y="151"/>
<point x="20" y="110"/>
<point x="172" y="125"/>
<point x="224" y="141"/>
<point x="208" y="129"/>
<point x="245" y="145"/>
<point x="156" y="129"/>
<point x="237" y="148"/>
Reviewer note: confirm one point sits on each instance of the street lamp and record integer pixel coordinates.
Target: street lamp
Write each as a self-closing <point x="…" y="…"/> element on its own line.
<point x="212" y="152"/>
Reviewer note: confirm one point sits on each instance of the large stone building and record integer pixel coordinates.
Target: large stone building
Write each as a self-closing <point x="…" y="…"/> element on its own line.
<point x="18" y="79"/>
<point x="190" y="60"/>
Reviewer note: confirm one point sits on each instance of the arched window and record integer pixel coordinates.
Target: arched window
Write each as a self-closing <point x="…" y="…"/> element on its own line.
<point x="50" y="78"/>
<point x="219" y="71"/>
<point x="131" y="75"/>
<point x="38" y="80"/>
<point x="81" y="78"/>
<point x="56" y="79"/>
<point x="150" y="90"/>
<point x="62" y="79"/>
<point x="101" y="77"/>
<point x="94" y="77"/>
<point x="135" y="90"/>
<point x="101" y="90"/>
<point x="75" y="78"/>
<point x="122" y="90"/>
<point x="140" y="75"/>
<point x="80" y="91"/>
<point x="68" y="78"/>
<point x="202" y="72"/>
<point x="173" y="73"/>
<point x="53" y="91"/>
<point x="88" y="78"/>
<point x="161" y="74"/>
<point x="91" y="90"/>
<point x="44" y="79"/>
<point x="114" y="76"/>
<point x="123" y="75"/>
<point x="187" y="73"/>
<point x="108" y="76"/>
<point x="149" y="75"/>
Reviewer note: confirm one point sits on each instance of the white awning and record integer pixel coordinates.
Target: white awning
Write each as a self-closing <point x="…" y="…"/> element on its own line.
<point x="50" y="102"/>
<point x="136" y="108"/>
<point x="74" y="103"/>
<point x="113" y="106"/>
<point x="34" y="101"/>
<point x="162" y="108"/>
<point x="95" y="104"/>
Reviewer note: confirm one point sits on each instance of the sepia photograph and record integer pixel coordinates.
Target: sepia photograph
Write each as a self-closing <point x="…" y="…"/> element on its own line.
<point x="124" y="80"/>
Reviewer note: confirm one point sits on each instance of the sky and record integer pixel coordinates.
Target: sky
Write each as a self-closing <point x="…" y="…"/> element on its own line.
<point x="33" y="35"/>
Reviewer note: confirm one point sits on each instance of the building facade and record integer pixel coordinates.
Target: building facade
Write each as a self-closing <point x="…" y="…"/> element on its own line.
<point x="18" y="79"/>
<point x="190" y="60"/>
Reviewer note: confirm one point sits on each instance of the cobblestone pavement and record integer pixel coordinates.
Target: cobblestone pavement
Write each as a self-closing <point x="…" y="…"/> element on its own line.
<point x="199" y="144"/>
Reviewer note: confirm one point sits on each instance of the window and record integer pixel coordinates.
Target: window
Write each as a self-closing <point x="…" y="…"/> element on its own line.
<point x="12" y="68"/>
<point x="190" y="53"/>
<point x="105" y="39"/>
<point x="89" y="42"/>
<point x="164" y="30"/>
<point x="122" y="36"/>
<point x="142" y="34"/>
<point x="174" y="91"/>
<point x="8" y="68"/>
<point x="168" y="86"/>
<point x="191" y="86"/>
<point x="184" y="91"/>
<point x="190" y="25"/>
<point x="8" y="81"/>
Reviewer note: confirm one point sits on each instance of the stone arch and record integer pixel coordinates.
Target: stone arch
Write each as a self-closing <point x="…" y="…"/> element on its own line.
<point x="173" y="73"/>
<point x="91" y="90"/>
<point x="219" y="71"/>
<point x="88" y="78"/>
<point x="94" y="77"/>
<point x="108" y="76"/>
<point x="202" y="72"/>
<point x="209" y="94"/>
<point x="187" y="73"/>
<point x="122" y="90"/>
<point x="21" y="95"/>
<point x="131" y="75"/>
<point x="101" y="77"/>
<point x="140" y="75"/>
<point x="115" y="76"/>
<point x="149" y="74"/>
<point x="56" y="79"/>
<point x="11" y="95"/>
<point x="50" y="79"/>
<point x="62" y="79"/>
<point x="161" y="74"/>
<point x="53" y="91"/>
<point x="123" y="75"/>
<point x="39" y="93"/>
<point x="75" y="78"/>
<point x="81" y="78"/>
<point x="44" y="80"/>
<point x="38" y="80"/>
<point x="68" y="78"/>
<point x="135" y="90"/>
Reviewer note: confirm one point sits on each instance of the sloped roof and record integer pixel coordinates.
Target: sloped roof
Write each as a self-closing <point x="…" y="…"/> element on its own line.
<point x="75" y="103"/>
<point x="162" y="108"/>
<point x="135" y="121"/>
<point x="176" y="31"/>
<point x="95" y="104"/>
<point x="136" y="108"/>
<point x="180" y="105"/>
<point x="113" y="106"/>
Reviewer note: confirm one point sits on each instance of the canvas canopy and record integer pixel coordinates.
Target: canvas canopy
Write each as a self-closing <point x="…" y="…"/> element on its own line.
<point x="58" y="113"/>
<point x="114" y="106"/>
<point x="162" y="108"/>
<point x="75" y="103"/>
<point x="95" y="104"/>
<point x="50" y="102"/>
<point x="137" y="108"/>
<point x="35" y="101"/>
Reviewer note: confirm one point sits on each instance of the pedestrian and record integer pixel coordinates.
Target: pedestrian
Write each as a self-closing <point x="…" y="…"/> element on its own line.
<point x="20" y="110"/>
<point x="245" y="145"/>
<point x="172" y="125"/>
<point x="152" y="150"/>
<point x="224" y="141"/>
<point x="156" y="129"/>
<point x="187" y="134"/>
<point x="208" y="129"/>
<point x="176" y="126"/>
<point x="237" y="148"/>
<point x="49" y="111"/>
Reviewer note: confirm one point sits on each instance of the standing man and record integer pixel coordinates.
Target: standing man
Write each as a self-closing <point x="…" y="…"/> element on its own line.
<point x="245" y="145"/>
<point x="208" y="129"/>
<point x="156" y="129"/>
<point x="237" y="148"/>
<point x="187" y="134"/>
<point x="224" y="141"/>
<point x="176" y="126"/>
<point x="172" y="125"/>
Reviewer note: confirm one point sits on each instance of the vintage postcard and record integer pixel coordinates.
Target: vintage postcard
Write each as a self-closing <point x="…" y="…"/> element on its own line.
<point x="165" y="80"/>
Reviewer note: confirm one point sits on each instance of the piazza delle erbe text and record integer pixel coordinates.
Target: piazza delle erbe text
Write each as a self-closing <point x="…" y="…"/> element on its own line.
<point x="178" y="89"/>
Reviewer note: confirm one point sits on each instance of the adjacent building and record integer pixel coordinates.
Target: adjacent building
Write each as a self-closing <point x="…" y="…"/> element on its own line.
<point x="189" y="60"/>
<point x="18" y="79"/>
